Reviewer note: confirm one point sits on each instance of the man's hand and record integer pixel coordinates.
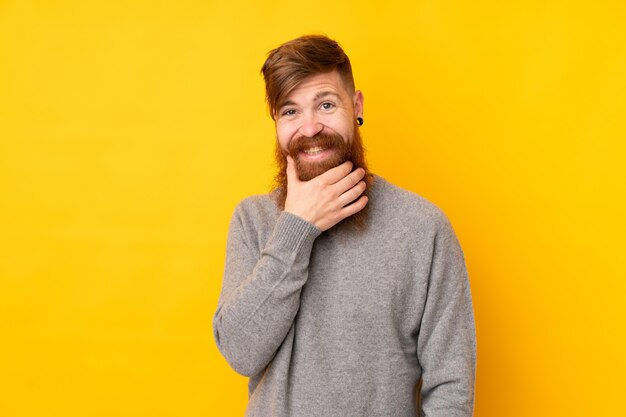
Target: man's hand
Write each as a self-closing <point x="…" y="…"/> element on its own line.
<point x="328" y="198"/>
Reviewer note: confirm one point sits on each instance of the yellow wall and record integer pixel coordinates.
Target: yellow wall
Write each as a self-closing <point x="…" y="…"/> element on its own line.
<point x="130" y="130"/>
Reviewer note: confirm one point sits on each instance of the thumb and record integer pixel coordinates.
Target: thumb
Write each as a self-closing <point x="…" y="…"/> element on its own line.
<point x="292" y="176"/>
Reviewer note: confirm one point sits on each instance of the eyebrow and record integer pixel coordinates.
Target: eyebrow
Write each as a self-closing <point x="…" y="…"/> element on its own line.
<point x="287" y="103"/>
<point x="323" y="94"/>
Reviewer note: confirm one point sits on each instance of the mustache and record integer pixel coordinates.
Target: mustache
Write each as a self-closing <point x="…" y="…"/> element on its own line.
<point x="326" y="141"/>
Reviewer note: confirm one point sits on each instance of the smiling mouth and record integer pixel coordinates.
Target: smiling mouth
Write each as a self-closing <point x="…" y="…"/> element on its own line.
<point x="314" y="151"/>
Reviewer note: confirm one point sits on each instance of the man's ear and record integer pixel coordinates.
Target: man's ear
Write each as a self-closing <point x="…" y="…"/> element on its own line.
<point x="358" y="103"/>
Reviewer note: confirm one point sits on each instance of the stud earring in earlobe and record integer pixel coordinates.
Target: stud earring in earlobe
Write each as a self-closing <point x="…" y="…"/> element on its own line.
<point x="359" y="121"/>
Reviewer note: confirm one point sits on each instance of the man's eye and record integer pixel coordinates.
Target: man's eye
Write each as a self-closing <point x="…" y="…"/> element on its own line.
<point x="327" y="106"/>
<point x="289" y="112"/>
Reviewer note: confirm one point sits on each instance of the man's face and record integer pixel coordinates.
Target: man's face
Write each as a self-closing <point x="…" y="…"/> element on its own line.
<point x="316" y="123"/>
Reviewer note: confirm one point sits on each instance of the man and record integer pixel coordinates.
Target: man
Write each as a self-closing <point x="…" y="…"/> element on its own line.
<point x="343" y="294"/>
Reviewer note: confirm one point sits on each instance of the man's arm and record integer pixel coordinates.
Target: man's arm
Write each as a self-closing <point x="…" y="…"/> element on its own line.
<point x="447" y="342"/>
<point x="261" y="291"/>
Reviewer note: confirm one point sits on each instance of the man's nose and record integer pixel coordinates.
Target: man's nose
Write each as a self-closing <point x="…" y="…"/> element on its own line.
<point x="311" y="126"/>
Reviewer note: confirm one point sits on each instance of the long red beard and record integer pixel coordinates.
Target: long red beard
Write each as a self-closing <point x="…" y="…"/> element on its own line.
<point x="342" y="151"/>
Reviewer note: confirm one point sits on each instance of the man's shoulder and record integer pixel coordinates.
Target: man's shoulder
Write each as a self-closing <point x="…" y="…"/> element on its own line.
<point x="407" y="206"/>
<point x="258" y="207"/>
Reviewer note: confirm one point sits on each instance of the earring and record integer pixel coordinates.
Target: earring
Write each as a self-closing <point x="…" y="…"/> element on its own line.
<point x="359" y="121"/>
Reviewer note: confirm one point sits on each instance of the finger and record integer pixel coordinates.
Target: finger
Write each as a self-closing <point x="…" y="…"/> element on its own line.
<point x="337" y="173"/>
<point x="352" y="194"/>
<point x="350" y="180"/>
<point x="353" y="208"/>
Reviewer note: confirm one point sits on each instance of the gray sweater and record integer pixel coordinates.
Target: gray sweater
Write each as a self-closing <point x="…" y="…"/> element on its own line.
<point x="346" y="322"/>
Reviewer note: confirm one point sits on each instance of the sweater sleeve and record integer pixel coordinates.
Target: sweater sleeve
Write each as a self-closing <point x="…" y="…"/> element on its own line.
<point x="261" y="290"/>
<point x="447" y="343"/>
